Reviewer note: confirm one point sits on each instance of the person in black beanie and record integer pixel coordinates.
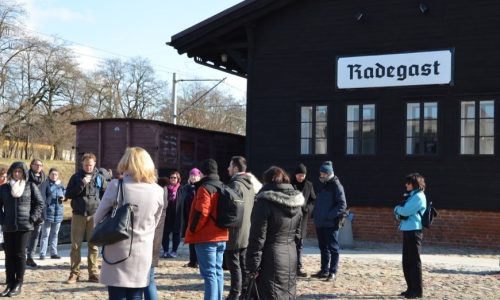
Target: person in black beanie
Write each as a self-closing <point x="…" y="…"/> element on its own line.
<point x="300" y="183"/>
<point x="209" y="240"/>
<point x="329" y="206"/>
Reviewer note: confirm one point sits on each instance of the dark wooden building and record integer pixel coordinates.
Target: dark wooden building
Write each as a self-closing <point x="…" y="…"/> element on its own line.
<point x="381" y="88"/>
<point x="172" y="147"/>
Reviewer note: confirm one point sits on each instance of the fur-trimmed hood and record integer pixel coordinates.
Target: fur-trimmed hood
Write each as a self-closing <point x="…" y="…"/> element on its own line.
<point x="283" y="195"/>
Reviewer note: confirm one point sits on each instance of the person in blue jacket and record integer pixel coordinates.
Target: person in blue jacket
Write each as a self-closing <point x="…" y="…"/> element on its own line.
<point x="330" y="205"/>
<point x="53" y="195"/>
<point x="409" y="213"/>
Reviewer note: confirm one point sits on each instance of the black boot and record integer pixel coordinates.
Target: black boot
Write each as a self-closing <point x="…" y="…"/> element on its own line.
<point x="16" y="289"/>
<point x="6" y="292"/>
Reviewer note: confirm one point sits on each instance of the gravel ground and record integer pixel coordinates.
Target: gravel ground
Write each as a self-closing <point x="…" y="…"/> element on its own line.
<point x="362" y="275"/>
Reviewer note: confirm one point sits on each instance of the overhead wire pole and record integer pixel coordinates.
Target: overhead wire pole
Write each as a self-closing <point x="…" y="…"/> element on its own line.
<point x="174" y="96"/>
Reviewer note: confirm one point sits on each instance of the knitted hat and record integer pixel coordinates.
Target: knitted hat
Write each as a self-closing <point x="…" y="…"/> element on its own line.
<point x="208" y="166"/>
<point x="326" y="167"/>
<point x="195" y="172"/>
<point x="301" y="169"/>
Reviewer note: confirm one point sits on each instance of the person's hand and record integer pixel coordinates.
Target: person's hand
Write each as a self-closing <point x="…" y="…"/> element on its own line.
<point x="253" y="275"/>
<point x="85" y="180"/>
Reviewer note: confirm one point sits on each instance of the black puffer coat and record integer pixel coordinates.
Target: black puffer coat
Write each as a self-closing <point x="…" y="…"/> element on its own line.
<point x="185" y="196"/>
<point x="19" y="214"/>
<point x="272" y="244"/>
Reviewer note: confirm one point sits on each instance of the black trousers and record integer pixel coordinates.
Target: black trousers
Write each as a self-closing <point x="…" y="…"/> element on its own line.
<point x="15" y="255"/>
<point x="236" y="263"/>
<point x="412" y="266"/>
<point x="192" y="255"/>
<point x="300" y="246"/>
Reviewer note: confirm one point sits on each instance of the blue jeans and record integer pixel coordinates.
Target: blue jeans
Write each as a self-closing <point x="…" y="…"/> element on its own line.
<point x="122" y="293"/>
<point x="150" y="292"/>
<point x="210" y="257"/>
<point x="328" y="242"/>
<point x="50" y="232"/>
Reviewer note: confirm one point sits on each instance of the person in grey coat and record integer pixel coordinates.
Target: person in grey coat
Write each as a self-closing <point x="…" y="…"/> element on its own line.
<point x="127" y="279"/>
<point x="330" y="204"/>
<point x="236" y="247"/>
<point x="271" y="253"/>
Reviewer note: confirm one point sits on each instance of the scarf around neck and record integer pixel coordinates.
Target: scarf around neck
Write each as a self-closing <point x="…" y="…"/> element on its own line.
<point x="17" y="187"/>
<point x="172" y="192"/>
<point x="36" y="179"/>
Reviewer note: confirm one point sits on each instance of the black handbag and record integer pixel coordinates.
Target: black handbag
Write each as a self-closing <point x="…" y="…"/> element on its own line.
<point x="250" y="291"/>
<point x="116" y="226"/>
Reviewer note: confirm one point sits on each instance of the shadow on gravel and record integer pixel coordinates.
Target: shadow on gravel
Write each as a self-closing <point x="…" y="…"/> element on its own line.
<point x="52" y="267"/>
<point x="182" y="276"/>
<point x="82" y="289"/>
<point x="347" y="296"/>
<point x="464" y="272"/>
<point x="182" y="287"/>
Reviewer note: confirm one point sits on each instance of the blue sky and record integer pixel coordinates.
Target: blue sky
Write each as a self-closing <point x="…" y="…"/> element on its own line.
<point x="110" y="28"/>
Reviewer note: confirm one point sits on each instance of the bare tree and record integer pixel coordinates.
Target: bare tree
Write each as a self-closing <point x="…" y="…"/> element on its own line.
<point x="215" y="110"/>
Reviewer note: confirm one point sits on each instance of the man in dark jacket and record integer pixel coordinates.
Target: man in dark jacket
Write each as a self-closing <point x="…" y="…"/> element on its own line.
<point x="83" y="190"/>
<point x="236" y="247"/>
<point x="330" y="204"/>
<point x="185" y="196"/>
<point x="300" y="183"/>
<point x="37" y="176"/>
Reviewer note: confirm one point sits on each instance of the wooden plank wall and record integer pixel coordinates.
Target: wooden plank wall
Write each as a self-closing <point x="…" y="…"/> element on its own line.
<point x="294" y="64"/>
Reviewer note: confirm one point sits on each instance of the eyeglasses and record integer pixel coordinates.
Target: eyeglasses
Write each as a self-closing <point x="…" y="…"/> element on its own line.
<point x="173" y="177"/>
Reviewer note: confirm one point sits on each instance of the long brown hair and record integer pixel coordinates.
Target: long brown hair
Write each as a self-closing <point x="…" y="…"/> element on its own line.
<point x="275" y="175"/>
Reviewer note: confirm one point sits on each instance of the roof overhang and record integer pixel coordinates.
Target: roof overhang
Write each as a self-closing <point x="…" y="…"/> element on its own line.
<point x="222" y="41"/>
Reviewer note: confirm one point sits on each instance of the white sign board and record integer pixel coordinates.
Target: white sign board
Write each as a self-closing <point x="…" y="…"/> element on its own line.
<point x="404" y="69"/>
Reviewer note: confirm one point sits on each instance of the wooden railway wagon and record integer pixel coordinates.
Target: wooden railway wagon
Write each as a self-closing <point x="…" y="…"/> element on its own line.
<point x="172" y="147"/>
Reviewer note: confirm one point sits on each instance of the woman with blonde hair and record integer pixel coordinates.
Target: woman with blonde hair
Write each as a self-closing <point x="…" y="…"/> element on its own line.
<point x="126" y="280"/>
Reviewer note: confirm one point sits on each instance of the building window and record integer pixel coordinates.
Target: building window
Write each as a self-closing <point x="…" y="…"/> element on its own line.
<point x="313" y="130"/>
<point x="477" y="127"/>
<point x="421" y="128"/>
<point x="360" y="137"/>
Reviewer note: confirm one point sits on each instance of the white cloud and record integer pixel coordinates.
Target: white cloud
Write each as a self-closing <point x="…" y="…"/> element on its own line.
<point x="43" y="11"/>
<point x="86" y="57"/>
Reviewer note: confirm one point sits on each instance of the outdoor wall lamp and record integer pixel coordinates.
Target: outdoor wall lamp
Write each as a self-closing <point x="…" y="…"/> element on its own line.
<point x="359" y="16"/>
<point x="223" y="57"/>
<point x="423" y="8"/>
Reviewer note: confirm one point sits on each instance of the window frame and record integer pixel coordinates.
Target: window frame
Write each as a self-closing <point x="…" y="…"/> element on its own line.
<point x="421" y="120"/>
<point x="360" y="120"/>
<point x="477" y="127"/>
<point x="313" y="123"/>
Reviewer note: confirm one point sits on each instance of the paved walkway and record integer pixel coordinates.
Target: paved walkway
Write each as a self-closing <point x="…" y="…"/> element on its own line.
<point x="487" y="259"/>
<point x="367" y="271"/>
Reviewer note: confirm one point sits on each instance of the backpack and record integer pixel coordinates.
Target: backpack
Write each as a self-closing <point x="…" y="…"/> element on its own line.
<point x="428" y="216"/>
<point x="230" y="207"/>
